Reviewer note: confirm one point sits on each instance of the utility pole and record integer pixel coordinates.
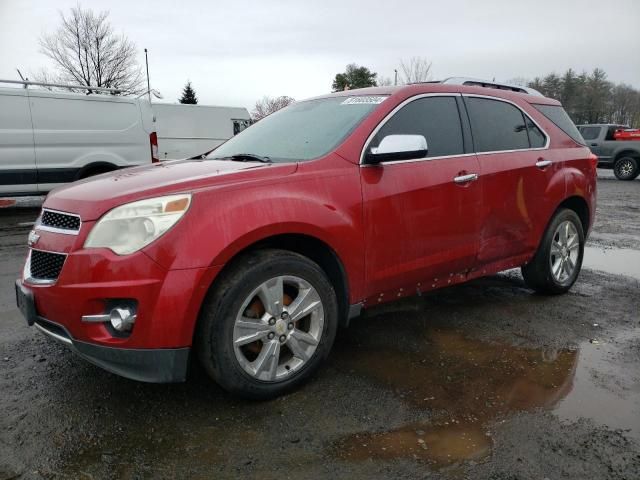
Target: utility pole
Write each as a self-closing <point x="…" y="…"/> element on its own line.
<point x="146" y="60"/>
<point x="396" y="80"/>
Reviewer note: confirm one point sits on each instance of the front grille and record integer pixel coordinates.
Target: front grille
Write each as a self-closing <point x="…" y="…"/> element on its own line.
<point x="46" y="265"/>
<point x="63" y="221"/>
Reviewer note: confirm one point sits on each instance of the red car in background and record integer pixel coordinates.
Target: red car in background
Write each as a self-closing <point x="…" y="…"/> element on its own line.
<point x="252" y="257"/>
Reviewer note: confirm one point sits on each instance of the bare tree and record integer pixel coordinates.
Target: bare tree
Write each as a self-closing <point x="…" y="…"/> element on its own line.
<point x="86" y="51"/>
<point x="416" y="69"/>
<point x="384" y="81"/>
<point x="269" y="105"/>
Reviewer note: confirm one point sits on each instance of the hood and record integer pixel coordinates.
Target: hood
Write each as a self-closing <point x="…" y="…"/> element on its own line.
<point x="92" y="197"/>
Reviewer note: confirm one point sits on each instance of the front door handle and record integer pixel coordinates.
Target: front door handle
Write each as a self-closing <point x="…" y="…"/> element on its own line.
<point x="470" y="177"/>
<point x="543" y="163"/>
<point x="594" y="144"/>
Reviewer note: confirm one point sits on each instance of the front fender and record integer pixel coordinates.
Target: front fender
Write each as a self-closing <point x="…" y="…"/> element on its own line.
<point x="222" y="222"/>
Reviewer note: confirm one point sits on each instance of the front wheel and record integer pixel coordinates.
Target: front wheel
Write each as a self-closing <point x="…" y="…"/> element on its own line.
<point x="556" y="264"/>
<point x="626" y="168"/>
<point x="268" y="324"/>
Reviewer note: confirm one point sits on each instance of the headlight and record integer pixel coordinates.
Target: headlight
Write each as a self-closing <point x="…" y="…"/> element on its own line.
<point x="130" y="227"/>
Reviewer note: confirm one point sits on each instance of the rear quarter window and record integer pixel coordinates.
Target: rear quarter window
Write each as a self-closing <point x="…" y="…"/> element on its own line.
<point x="557" y="115"/>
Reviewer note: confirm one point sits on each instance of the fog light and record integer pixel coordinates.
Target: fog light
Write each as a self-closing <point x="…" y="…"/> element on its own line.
<point x="121" y="319"/>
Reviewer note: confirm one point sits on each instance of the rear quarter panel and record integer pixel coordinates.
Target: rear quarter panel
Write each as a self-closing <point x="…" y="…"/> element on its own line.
<point x="572" y="164"/>
<point x="619" y="147"/>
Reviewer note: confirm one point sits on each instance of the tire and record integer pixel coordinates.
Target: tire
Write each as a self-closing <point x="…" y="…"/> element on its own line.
<point x="626" y="168"/>
<point x="239" y="308"/>
<point x="542" y="273"/>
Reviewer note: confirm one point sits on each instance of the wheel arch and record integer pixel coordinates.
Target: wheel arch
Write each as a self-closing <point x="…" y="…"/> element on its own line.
<point x="95" y="168"/>
<point x="574" y="202"/>
<point x="580" y="206"/>
<point x="627" y="152"/>
<point x="312" y="247"/>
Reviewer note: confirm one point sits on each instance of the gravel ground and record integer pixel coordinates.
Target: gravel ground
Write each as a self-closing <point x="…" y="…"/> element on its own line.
<point x="482" y="381"/>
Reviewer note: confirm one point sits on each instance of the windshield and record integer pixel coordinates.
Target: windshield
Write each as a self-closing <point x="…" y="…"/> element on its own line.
<point x="302" y="131"/>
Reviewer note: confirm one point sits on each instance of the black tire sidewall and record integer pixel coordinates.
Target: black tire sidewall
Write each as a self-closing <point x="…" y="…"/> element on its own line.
<point x="544" y="252"/>
<point x="634" y="172"/>
<point x="220" y="314"/>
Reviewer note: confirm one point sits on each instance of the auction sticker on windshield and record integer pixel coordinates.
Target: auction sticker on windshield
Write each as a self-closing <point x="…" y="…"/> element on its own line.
<point x="364" y="99"/>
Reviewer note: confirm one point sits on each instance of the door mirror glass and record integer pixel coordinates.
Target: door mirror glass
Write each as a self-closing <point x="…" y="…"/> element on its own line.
<point x="398" y="147"/>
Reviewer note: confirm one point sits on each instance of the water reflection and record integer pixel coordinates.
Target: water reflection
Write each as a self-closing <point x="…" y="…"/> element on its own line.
<point x="466" y="384"/>
<point x="618" y="261"/>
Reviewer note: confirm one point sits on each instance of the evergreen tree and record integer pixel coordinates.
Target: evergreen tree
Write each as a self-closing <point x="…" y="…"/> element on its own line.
<point x="354" y="77"/>
<point x="591" y="97"/>
<point x="570" y="92"/>
<point x="552" y="86"/>
<point x="188" y="95"/>
<point x="597" y="93"/>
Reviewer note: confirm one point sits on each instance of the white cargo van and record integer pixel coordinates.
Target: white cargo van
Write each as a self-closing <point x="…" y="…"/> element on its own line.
<point x="185" y="131"/>
<point x="48" y="138"/>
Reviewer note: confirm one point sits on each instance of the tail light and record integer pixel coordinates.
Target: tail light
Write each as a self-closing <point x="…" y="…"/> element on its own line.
<point x="153" y="140"/>
<point x="593" y="161"/>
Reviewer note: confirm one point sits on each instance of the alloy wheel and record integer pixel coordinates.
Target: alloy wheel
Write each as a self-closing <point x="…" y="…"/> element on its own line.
<point x="625" y="168"/>
<point x="565" y="251"/>
<point x="278" y="328"/>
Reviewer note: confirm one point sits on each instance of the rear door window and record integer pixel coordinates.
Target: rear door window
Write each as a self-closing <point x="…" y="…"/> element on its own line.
<point x="496" y="125"/>
<point x="537" y="139"/>
<point x="590" y="133"/>
<point x="436" y="118"/>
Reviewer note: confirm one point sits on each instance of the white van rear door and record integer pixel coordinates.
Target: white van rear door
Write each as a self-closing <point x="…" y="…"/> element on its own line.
<point x="18" y="173"/>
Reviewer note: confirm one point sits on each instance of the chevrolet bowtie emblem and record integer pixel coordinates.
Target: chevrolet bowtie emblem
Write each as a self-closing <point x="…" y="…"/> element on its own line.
<point x="33" y="238"/>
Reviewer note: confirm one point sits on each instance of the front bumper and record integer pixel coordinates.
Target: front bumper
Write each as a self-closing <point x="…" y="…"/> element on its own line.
<point x="144" y="365"/>
<point x="162" y="365"/>
<point x="157" y="349"/>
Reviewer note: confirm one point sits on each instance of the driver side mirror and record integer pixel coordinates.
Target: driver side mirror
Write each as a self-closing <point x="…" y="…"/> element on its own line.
<point x="397" y="147"/>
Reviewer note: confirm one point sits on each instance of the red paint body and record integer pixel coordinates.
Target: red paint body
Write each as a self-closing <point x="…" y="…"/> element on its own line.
<point x="396" y="228"/>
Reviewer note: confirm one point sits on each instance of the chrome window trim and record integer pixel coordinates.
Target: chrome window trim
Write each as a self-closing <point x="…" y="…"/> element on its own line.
<point x="423" y="159"/>
<point x="63" y="231"/>
<point x="26" y="272"/>
<point x="441" y="157"/>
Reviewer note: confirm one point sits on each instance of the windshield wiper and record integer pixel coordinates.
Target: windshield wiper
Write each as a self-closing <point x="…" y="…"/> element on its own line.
<point x="245" y="157"/>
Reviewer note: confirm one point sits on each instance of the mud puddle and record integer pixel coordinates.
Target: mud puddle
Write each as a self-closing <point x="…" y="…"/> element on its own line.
<point x="617" y="261"/>
<point x="467" y="386"/>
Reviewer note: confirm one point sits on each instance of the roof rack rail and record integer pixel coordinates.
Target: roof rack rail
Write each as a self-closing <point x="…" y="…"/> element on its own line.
<point x="476" y="82"/>
<point x="26" y="84"/>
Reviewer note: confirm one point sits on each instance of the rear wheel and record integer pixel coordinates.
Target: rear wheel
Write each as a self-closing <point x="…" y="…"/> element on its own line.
<point x="268" y="324"/>
<point x="556" y="264"/>
<point x="626" y="168"/>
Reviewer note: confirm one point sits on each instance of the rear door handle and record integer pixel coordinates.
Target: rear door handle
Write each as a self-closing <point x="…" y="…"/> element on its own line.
<point x="543" y="163"/>
<point x="470" y="177"/>
<point x="594" y="144"/>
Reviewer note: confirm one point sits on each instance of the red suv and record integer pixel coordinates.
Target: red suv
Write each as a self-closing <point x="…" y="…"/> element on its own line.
<point x="252" y="256"/>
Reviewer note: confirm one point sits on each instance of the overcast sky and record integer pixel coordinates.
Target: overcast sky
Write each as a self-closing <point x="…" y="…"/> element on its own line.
<point x="236" y="52"/>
